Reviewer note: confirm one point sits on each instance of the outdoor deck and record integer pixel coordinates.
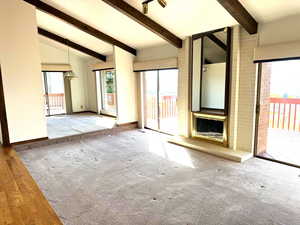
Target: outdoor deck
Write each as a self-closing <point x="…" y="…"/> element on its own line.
<point x="284" y="145"/>
<point x="283" y="141"/>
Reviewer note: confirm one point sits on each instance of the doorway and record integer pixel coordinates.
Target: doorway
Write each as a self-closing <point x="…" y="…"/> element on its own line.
<point x="108" y="94"/>
<point x="278" y="112"/>
<point x="54" y="93"/>
<point x="160" y="97"/>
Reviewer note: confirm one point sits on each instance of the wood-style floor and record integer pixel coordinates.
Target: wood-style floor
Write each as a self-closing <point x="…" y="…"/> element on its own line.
<point x="21" y="201"/>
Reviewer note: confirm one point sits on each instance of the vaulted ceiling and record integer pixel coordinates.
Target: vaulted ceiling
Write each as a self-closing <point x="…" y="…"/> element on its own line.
<point x="181" y="17"/>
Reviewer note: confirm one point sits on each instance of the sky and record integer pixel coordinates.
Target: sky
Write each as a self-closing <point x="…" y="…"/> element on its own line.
<point x="285" y="79"/>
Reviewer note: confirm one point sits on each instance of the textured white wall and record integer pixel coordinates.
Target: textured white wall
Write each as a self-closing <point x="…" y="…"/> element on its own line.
<point x="247" y="92"/>
<point x="92" y="93"/>
<point x="127" y="108"/>
<point x="157" y="52"/>
<point x="234" y="88"/>
<point x="183" y="104"/>
<point x="279" y="31"/>
<point x="243" y="91"/>
<point x="21" y="68"/>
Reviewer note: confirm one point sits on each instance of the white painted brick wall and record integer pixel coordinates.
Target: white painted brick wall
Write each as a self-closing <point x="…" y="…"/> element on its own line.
<point x="183" y="90"/>
<point x="243" y="91"/>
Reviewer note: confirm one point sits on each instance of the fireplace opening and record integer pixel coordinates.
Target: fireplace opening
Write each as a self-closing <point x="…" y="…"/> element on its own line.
<point x="210" y="128"/>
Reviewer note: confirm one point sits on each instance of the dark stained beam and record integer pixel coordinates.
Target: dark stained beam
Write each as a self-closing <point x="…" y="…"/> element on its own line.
<point x="71" y="44"/>
<point x="242" y="16"/>
<point x="150" y="24"/>
<point x="217" y="41"/>
<point x="80" y="25"/>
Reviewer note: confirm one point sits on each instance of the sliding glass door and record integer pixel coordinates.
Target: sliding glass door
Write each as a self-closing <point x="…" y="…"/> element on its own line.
<point x="160" y="100"/>
<point x="278" y="112"/>
<point x="168" y="85"/>
<point x="54" y="93"/>
<point x="151" y="99"/>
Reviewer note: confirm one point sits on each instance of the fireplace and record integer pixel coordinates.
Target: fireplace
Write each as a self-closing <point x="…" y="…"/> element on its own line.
<point x="210" y="127"/>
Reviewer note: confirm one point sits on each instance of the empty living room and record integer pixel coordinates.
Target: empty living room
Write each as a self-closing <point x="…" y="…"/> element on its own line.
<point x="149" y="112"/>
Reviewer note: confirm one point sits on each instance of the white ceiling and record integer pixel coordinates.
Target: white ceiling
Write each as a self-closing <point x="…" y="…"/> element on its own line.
<point x="182" y="17"/>
<point x="188" y="17"/>
<point x="268" y="10"/>
<point x="106" y="19"/>
<point x="65" y="30"/>
<point x="63" y="47"/>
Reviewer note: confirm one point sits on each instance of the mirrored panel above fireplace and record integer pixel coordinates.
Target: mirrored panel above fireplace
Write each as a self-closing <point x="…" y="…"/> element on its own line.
<point x="211" y="71"/>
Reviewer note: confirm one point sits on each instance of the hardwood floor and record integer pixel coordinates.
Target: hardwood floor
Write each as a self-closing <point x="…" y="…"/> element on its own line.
<point x="21" y="201"/>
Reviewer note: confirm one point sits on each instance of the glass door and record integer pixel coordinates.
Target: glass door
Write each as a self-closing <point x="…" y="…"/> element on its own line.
<point x="168" y="84"/>
<point x="278" y="112"/>
<point x="160" y="100"/>
<point x="54" y="93"/>
<point x="151" y="99"/>
<point x="108" y="92"/>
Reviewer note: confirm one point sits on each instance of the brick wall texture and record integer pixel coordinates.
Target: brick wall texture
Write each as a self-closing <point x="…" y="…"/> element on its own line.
<point x="243" y="91"/>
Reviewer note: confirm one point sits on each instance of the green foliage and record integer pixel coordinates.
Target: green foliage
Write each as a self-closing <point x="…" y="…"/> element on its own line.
<point x="110" y="83"/>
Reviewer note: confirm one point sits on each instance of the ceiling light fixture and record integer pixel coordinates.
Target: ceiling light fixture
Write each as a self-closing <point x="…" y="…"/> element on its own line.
<point x="163" y="3"/>
<point x="145" y="7"/>
<point x="69" y="74"/>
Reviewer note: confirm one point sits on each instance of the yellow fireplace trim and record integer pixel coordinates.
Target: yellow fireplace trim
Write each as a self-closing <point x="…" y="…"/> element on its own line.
<point x="222" y="118"/>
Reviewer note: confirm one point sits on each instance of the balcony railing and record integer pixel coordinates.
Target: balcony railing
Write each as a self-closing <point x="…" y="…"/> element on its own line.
<point x="285" y="113"/>
<point x="167" y="107"/>
<point x="54" y="104"/>
<point x="55" y="100"/>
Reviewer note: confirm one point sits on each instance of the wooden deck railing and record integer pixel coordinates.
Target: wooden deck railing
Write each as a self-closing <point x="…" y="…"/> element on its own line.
<point x="55" y="100"/>
<point x="167" y="106"/>
<point x="285" y="113"/>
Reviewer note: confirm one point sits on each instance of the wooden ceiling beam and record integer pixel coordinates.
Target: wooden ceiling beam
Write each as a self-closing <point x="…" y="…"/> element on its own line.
<point x="71" y="44"/>
<point x="145" y="21"/>
<point x="80" y="25"/>
<point x="242" y="16"/>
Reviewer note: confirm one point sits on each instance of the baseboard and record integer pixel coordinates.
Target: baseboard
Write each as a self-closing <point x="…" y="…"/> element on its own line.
<point x="104" y="132"/>
<point x="30" y="141"/>
<point x="103" y="114"/>
<point x="86" y="111"/>
<point x="128" y="124"/>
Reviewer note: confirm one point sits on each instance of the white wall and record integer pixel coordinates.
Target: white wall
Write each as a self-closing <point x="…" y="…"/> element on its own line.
<point x="243" y="91"/>
<point x="53" y="55"/>
<point x="21" y="71"/>
<point x="92" y="91"/>
<point x="196" y="87"/>
<point x="127" y="108"/>
<point x="157" y="52"/>
<point x="279" y="31"/>
<point x="183" y="102"/>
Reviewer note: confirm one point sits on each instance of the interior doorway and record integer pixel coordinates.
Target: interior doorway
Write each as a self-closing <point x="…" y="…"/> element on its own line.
<point x="160" y="97"/>
<point x="278" y="123"/>
<point x="108" y="94"/>
<point x="54" y="93"/>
